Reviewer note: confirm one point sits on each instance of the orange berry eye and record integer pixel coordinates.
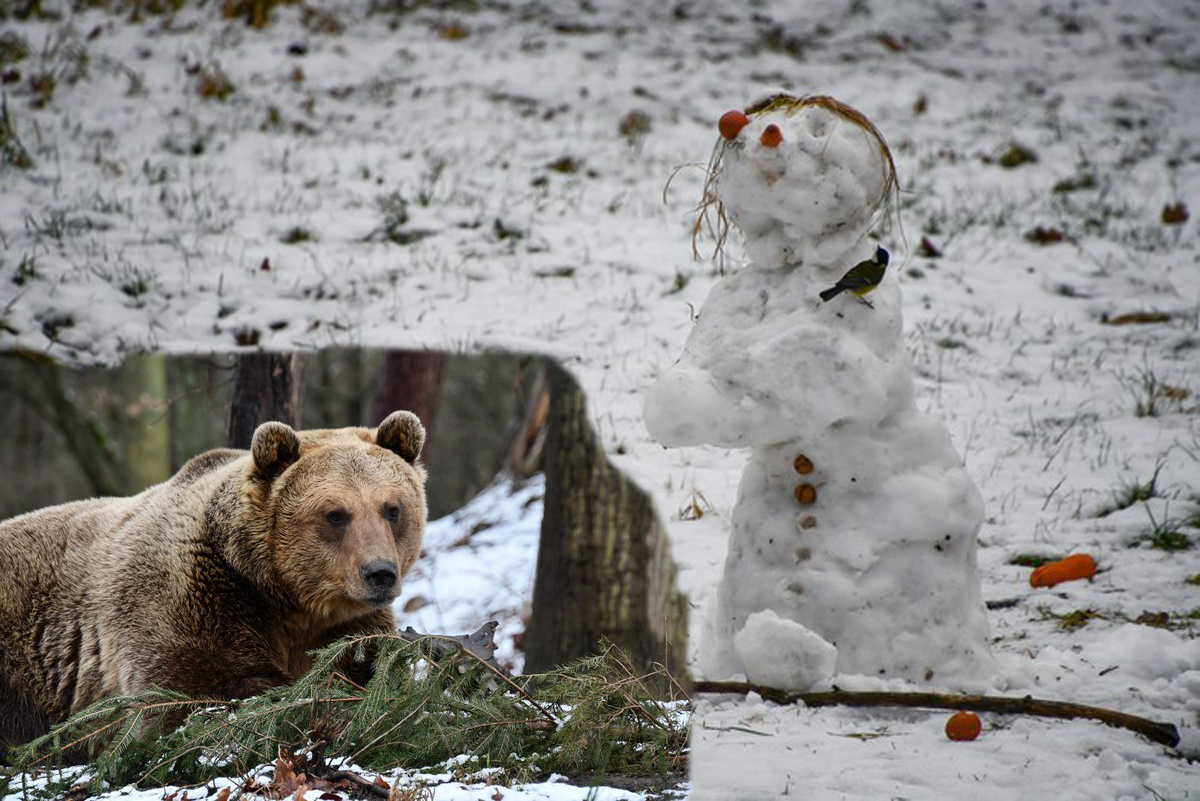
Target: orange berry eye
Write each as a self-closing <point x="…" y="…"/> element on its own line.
<point x="732" y="123"/>
<point x="771" y="136"/>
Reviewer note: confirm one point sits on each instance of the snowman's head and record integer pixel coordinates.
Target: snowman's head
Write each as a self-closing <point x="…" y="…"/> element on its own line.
<point x="803" y="178"/>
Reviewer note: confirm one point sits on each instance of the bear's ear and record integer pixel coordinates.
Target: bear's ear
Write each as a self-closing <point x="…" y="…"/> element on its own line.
<point x="403" y="434"/>
<point x="275" y="447"/>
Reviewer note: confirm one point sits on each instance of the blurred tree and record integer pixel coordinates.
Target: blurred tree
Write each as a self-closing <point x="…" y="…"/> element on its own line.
<point x="604" y="569"/>
<point x="411" y="380"/>
<point x="148" y="446"/>
<point x="74" y="425"/>
<point x="37" y="382"/>
<point x="339" y="387"/>
<point x="266" y="386"/>
<point x="200" y="390"/>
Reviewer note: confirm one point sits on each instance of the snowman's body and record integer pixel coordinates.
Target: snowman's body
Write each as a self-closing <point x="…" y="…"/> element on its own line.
<point x="853" y="541"/>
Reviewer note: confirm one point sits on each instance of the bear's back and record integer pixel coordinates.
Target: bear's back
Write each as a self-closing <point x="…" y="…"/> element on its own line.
<point x="205" y="463"/>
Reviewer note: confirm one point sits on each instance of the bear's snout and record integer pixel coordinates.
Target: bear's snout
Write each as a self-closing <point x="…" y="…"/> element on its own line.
<point x="380" y="576"/>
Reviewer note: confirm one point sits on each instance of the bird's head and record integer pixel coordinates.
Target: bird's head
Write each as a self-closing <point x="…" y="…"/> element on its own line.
<point x="881" y="256"/>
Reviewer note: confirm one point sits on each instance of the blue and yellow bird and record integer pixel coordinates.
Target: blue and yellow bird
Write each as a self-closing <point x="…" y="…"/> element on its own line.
<point x="861" y="278"/>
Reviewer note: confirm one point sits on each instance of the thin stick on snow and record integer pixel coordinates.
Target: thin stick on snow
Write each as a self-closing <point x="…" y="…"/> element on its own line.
<point x="1163" y="733"/>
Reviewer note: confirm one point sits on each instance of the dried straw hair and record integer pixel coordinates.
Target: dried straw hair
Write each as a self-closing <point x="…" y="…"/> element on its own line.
<point x="710" y="213"/>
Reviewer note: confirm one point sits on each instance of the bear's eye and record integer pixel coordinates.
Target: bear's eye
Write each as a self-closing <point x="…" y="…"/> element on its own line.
<point x="392" y="513"/>
<point x="337" y="517"/>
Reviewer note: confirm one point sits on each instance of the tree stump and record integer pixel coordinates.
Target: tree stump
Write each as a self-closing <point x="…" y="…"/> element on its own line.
<point x="604" y="568"/>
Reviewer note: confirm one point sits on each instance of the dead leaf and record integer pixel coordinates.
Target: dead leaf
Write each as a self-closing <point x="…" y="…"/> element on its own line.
<point x="453" y="32"/>
<point x="1045" y="236"/>
<point x="1175" y="393"/>
<point x="286" y="781"/>
<point x="927" y="249"/>
<point x="1174" y="213"/>
<point x="224" y="794"/>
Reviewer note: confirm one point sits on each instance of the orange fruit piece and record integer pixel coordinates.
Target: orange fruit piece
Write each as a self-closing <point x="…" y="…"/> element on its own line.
<point x="963" y="726"/>
<point x="1075" y="566"/>
<point x="732" y="123"/>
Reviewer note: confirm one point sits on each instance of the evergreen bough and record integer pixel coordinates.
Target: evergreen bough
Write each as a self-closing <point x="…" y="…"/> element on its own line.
<point x="419" y="709"/>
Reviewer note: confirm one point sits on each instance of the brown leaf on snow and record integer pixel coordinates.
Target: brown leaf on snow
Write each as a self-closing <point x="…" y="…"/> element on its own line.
<point x="224" y="794"/>
<point x="1174" y="213"/>
<point x="927" y="249"/>
<point x="1045" y="236"/>
<point x="286" y="781"/>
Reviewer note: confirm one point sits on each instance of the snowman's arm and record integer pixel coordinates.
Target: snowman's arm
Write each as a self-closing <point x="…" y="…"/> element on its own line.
<point x="687" y="407"/>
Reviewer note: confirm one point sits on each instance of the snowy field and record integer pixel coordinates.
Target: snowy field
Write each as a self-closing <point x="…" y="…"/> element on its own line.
<point x="490" y="175"/>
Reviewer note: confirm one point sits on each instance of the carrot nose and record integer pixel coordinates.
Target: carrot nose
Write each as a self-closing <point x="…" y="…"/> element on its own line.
<point x="771" y="136"/>
<point x="732" y="123"/>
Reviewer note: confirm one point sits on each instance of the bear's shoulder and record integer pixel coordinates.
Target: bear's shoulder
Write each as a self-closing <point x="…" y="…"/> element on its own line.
<point x="204" y="464"/>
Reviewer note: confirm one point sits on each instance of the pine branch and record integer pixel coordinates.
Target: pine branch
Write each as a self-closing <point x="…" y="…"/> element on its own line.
<point x="1163" y="733"/>
<point x="428" y="699"/>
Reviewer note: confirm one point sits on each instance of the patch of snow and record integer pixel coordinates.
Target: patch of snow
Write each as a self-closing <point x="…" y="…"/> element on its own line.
<point x="476" y="565"/>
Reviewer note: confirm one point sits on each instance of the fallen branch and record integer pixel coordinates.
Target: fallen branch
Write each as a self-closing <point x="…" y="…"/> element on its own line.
<point x="480" y="643"/>
<point x="1164" y="733"/>
<point x="481" y="646"/>
<point x="361" y="785"/>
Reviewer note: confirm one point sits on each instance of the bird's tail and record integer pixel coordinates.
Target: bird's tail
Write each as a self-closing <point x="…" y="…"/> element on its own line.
<point x="832" y="292"/>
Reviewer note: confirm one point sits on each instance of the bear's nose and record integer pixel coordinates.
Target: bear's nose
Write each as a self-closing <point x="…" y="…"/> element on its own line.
<point x="380" y="574"/>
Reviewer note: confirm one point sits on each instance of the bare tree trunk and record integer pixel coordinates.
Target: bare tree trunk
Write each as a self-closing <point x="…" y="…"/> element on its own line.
<point x="412" y="380"/>
<point x="266" y="387"/>
<point x="604" y="569"/>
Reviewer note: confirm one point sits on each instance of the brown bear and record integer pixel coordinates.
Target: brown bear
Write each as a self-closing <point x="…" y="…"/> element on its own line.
<point x="218" y="581"/>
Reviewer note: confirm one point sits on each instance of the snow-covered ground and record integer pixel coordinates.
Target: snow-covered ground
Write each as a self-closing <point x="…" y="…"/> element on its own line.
<point x="477" y="565"/>
<point x="490" y="175"/>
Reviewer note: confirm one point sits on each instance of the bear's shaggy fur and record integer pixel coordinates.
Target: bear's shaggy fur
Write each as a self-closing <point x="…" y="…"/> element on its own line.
<point x="216" y="582"/>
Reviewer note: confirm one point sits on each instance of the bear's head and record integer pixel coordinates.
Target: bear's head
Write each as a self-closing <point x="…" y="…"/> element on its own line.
<point x="345" y="512"/>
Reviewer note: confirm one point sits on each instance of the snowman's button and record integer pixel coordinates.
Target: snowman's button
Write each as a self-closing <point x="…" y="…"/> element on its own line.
<point x="803" y="465"/>
<point x="806" y="494"/>
<point x="808" y="521"/>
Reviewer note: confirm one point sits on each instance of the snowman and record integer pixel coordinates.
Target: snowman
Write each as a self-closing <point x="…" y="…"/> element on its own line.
<point x="853" y="538"/>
